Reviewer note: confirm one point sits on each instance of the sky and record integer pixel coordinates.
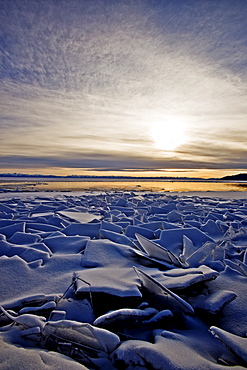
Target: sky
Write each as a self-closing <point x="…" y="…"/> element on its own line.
<point x="123" y="87"/>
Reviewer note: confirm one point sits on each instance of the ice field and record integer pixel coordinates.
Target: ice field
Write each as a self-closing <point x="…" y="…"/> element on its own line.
<point x="123" y="280"/>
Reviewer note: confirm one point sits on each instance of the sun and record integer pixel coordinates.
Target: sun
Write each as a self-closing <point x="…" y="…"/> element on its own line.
<point x="169" y="134"/>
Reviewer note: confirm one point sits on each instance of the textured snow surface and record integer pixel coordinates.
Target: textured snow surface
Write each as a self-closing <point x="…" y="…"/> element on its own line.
<point x="123" y="280"/>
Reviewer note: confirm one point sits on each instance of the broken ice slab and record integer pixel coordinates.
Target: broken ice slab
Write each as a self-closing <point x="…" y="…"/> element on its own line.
<point x="160" y="296"/>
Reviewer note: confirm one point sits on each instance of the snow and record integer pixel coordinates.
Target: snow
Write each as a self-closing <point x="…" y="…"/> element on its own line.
<point x="12" y="356"/>
<point x="123" y="280"/>
<point x="124" y="314"/>
<point x="237" y="344"/>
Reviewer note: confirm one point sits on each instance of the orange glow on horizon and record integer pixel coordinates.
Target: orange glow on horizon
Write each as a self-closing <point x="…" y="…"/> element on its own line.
<point x="195" y="173"/>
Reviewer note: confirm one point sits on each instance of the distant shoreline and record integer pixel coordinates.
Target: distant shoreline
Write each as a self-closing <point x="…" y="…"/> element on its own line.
<point x="13" y="179"/>
<point x="239" y="178"/>
<point x="24" y="177"/>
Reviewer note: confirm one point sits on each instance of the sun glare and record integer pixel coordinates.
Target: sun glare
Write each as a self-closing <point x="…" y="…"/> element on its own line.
<point x="169" y="134"/>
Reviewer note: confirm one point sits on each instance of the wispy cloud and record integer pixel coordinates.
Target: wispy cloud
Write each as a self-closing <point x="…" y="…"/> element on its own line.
<point x="83" y="83"/>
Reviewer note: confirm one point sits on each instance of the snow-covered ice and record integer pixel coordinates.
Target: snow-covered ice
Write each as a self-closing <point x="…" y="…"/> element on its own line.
<point x="123" y="280"/>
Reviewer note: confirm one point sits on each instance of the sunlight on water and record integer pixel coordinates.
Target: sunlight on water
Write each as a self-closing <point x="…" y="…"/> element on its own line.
<point x="173" y="186"/>
<point x="144" y="186"/>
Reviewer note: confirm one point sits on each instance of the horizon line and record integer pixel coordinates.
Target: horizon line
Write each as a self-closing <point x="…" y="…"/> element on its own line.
<point x="18" y="175"/>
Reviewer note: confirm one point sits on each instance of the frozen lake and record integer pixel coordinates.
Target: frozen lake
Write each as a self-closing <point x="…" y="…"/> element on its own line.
<point x="34" y="184"/>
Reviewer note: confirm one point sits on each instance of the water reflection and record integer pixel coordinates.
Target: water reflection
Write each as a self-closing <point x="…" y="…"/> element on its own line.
<point x="176" y="186"/>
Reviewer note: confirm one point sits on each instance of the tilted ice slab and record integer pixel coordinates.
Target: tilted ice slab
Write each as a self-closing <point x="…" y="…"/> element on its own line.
<point x="236" y="344"/>
<point x="79" y="216"/>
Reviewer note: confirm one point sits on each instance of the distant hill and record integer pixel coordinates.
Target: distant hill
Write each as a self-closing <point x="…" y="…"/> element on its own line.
<point x="74" y="177"/>
<point x="238" y="177"/>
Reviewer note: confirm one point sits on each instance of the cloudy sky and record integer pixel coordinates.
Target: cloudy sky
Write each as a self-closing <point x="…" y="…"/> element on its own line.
<point x="123" y="86"/>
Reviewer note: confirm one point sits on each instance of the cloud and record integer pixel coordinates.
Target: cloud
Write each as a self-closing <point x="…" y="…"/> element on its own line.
<point x="103" y="161"/>
<point x="91" y="78"/>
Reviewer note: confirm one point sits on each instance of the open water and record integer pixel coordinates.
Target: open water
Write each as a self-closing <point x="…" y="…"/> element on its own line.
<point x="136" y="185"/>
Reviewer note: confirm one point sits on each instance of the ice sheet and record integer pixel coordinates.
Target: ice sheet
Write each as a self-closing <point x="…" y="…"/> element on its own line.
<point x="73" y="258"/>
